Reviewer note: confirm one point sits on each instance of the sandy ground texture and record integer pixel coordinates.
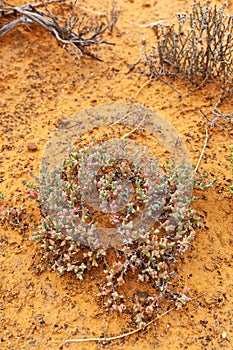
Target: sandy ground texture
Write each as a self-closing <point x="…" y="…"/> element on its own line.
<point x="39" y="85"/>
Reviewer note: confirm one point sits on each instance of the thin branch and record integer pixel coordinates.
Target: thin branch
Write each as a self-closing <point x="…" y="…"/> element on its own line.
<point x="136" y="128"/>
<point x="142" y="87"/>
<point x="121" y="119"/>
<point x="81" y="340"/>
<point x="120" y="336"/>
<point x="6" y="11"/>
<point x="203" y="150"/>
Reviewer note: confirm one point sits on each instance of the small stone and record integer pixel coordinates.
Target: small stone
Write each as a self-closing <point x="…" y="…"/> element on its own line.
<point x="224" y="335"/>
<point x="32" y="146"/>
<point x="209" y="267"/>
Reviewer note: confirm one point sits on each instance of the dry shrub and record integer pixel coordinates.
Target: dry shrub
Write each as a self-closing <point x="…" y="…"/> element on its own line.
<point x="199" y="49"/>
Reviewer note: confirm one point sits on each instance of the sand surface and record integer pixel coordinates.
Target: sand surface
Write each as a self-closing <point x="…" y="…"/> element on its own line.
<point x="39" y="84"/>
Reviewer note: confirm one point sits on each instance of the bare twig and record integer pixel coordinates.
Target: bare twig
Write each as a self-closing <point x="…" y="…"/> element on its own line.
<point x="203" y="150"/>
<point x="120" y="336"/>
<point x="136" y="128"/>
<point x="7" y="11"/>
<point x="81" y="340"/>
<point x="124" y="117"/>
<point x="142" y="87"/>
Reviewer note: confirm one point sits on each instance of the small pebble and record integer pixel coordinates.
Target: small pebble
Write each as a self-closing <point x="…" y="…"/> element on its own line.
<point x="209" y="267"/>
<point x="32" y="146"/>
<point x="224" y="335"/>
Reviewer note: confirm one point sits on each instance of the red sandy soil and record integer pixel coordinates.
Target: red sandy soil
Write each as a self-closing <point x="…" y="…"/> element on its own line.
<point x="39" y="84"/>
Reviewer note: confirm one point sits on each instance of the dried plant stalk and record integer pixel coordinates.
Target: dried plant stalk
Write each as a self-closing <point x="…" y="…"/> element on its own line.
<point x="200" y="50"/>
<point x="76" y="33"/>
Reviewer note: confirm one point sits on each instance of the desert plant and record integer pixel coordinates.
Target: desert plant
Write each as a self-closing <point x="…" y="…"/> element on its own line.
<point x="109" y="205"/>
<point x="16" y="217"/>
<point x="77" y="32"/>
<point x="123" y="240"/>
<point x="198" y="50"/>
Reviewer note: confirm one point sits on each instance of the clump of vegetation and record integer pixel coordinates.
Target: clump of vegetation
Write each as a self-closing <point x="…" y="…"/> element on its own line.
<point x="199" y="49"/>
<point x="16" y="217"/>
<point x="76" y="31"/>
<point x="104" y="210"/>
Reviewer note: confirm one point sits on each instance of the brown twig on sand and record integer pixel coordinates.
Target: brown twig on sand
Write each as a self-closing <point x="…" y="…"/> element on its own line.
<point x="76" y="32"/>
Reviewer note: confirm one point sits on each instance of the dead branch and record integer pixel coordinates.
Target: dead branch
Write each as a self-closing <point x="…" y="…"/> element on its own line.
<point x="76" y="33"/>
